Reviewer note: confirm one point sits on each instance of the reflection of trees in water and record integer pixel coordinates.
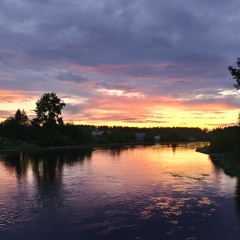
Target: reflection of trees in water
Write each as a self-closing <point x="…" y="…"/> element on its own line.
<point x="47" y="170"/>
<point x="17" y="162"/>
<point x="218" y="168"/>
<point x="174" y="146"/>
<point x="238" y="196"/>
<point x="231" y="169"/>
<point x="47" y="166"/>
<point x="115" y="152"/>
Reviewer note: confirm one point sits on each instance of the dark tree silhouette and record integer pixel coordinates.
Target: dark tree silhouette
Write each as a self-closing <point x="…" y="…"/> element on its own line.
<point x="48" y="110"/>
<point x="235" y="72"/>
<point x="15" y="126"/>
<point x="48" y="123"/>
<point x="21" y="118"/>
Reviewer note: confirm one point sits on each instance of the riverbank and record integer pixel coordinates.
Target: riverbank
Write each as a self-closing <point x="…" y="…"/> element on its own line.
<point x="229" y="162"/>
<point x="34" y="147"/>
<point x="204" y="149"/>
<point x="24" y="147"/>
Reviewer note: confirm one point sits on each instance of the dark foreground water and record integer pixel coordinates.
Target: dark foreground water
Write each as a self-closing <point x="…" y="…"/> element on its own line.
<point x="153" y="192"/>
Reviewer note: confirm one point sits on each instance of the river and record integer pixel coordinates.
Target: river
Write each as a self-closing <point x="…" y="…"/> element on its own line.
<point x="142" y="192"/>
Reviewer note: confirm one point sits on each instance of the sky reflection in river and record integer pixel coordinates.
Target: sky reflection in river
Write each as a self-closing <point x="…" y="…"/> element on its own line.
<point x="153" y="192"/>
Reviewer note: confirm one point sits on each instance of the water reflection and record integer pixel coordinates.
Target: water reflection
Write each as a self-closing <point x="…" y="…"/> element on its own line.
<point x="46" y="165"/>
<point x="146" y="192"/>
<point x="238" y="196"/>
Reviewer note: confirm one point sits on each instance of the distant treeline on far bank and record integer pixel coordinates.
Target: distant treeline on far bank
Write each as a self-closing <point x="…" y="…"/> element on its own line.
<point x="28" y="133"/>
<point x="71" y="134"/>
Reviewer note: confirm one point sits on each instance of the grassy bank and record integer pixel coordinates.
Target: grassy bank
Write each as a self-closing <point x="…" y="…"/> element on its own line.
<point x="8" y="145"/>
<point x="204" y="149"/>
<point x="11" y="146"/>
<point x="229" y="162"/>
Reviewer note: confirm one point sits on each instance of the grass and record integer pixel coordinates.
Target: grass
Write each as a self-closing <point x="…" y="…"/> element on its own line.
<point x="9" y="145"/>
<point x="12" y="145"/>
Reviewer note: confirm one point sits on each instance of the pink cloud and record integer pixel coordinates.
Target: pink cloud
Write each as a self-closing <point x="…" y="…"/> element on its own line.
<point x="10" y="96"/>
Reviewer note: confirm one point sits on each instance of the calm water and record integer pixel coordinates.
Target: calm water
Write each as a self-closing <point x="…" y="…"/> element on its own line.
<point x="153" y="192"/>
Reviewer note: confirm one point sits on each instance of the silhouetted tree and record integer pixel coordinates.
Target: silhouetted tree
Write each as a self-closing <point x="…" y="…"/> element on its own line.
<point x="48" y="110"/>
<point x="21" y="118"/>
<point x="16" y="125"/>
<point x="236" y="74"/>
<point x="48" y="122"/>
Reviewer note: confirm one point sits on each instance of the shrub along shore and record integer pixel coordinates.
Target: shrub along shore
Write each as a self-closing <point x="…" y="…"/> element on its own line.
<point x="228" y="161"/>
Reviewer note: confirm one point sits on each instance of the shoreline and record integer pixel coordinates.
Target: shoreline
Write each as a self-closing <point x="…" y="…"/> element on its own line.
<point x="229" y="162"/>
<point x="32" y="148"/>
<point x="55" y="148"/>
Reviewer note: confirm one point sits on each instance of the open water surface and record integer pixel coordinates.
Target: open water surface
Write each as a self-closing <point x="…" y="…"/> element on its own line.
<point x="143" y="192"/>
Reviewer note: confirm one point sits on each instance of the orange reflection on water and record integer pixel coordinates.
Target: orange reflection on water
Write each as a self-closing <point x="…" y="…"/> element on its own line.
<point x="132" y="170"/>
<point x="161" y="178"/>
<point x="104" y="190"/>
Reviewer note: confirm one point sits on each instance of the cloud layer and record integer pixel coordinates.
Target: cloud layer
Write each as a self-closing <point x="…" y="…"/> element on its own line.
<point x="122" y="62"/>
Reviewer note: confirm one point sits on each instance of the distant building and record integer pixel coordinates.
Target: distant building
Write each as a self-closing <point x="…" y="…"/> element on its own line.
<point x="157" y="138"/>
<point x="140" y="136"/>
<point x="191" y="138"/>
<point x="99" y="133"/>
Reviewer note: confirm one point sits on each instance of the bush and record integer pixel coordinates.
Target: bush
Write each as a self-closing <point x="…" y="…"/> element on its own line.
<point x="223" y="142"/>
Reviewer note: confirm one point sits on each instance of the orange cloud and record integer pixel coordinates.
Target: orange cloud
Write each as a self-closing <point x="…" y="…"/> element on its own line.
<point x="10" y="96"/>
<point x="10" y="101"/>
<point x="126" y="108"/>
<point x="120" y="109"/>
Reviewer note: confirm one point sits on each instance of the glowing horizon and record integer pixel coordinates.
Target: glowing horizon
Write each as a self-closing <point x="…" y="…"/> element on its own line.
<point x="130" y="110"/>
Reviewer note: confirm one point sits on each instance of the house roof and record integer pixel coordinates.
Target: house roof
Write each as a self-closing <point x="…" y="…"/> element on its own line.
<point x="97" y="133"/>
<point x="140" y="136"/>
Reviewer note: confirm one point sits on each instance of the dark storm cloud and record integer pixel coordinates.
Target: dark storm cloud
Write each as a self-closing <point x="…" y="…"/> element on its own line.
<point x="176" y="48"/>
<point x="87" y="32"/>
<point x="71" y="76"/>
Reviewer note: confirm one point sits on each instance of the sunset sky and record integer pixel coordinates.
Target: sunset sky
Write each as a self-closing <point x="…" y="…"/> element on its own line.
<point x="145" y="63"/>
